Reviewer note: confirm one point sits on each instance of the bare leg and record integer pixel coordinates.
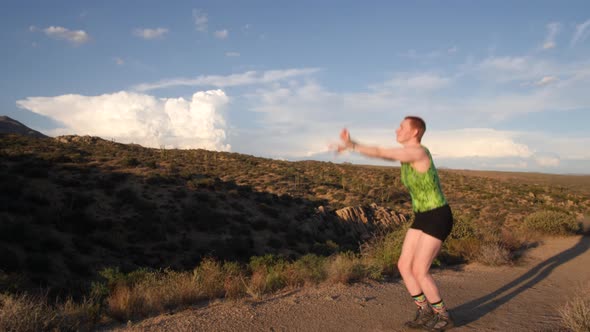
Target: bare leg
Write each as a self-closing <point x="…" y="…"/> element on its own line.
<point x="404" y="264"/>
<point x="428" y="247"/>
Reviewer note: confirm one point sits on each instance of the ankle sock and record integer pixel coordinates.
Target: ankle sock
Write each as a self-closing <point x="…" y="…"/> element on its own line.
<point x="440" y="308"/>
<point x="420" y="300"/>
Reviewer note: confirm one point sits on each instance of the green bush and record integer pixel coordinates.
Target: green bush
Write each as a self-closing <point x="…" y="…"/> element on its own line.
<point x="463" y="227"/>
<point x="309" y="269"/>
<point x="268" y="274"/>
<point x="551" y="223"/>
<point x="347" y="268"/>
<point x="383" y="252"/>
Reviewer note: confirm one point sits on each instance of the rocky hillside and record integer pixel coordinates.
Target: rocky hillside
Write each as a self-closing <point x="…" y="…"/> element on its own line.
<point x="11" y="126"/>
<point x="72" y="206"/>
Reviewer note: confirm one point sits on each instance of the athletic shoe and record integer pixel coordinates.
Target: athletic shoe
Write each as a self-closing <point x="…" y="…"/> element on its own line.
<point x="440" y="322"/>
<point x="423" y="315"/>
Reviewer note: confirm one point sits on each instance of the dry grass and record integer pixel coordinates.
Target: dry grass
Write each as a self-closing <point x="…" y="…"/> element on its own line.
<point x="346" y="268"/>
<point x="33" y="313"/>
<point x="156" y="293"/>
<point x="493" y="254"/>
<point x="575" y="315"/>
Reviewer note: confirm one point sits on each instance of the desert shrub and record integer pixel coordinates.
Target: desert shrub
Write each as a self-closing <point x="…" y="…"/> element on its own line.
<point x="575" y="315"/>
<point x="202" y="182"/>
<point x="234" y="280"/>
<point x="209" y="276"/>
<point x="154" y="293"/>
<point x="383" y="252"/>
<point x="339" y="197"/>
<point x="346" y="268"/>
<point x="33" y="313"/>
<point x="493" y="254"/>
<point x="268" y="274"/>
<point x="551" y="223"/>
<point x="463" y="227"/>
<point x="308" y="269"/>
<point x="157" y="180"/>
<point x="459" y="250"/>
<point x="130" y="162"/>
<point x="25" y="313"/>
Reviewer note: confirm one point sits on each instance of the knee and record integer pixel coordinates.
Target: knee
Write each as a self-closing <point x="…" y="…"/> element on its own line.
<point x="404" y="266"/>
<point x="419" y="272"/>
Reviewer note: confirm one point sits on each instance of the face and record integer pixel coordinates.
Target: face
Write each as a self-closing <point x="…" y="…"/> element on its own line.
<point x="405" y="132"/>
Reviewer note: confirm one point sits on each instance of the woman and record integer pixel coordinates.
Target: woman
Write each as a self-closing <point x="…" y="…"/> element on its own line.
<point x="432" y="223"/>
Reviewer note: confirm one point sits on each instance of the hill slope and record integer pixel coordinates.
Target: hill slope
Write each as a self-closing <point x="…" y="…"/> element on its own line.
<point x="72" y="206"/>
<point x="11" y="126"/>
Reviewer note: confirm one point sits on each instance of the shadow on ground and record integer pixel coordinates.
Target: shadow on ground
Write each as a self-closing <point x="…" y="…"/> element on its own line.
<point x="475" y="309"/>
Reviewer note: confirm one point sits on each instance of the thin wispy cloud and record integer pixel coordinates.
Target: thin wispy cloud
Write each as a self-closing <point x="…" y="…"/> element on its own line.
<point x="506" y="63"/>
<point x="201" y="20"/>
<point x="582" y="31"/>
<point x="552" y="31"/>
<point x="428" y="56"/>
<point x="76" y="37"/>
<point x="546" y="80"/>
<point x="221" y="34"/>
<point x="420" y="81"/>
<point x="247" y="78"/>
<point x="119" y="61"/>
<point x="150" y="33"/>
<point x="307" y="112"/>
<point x="232" y="54"/>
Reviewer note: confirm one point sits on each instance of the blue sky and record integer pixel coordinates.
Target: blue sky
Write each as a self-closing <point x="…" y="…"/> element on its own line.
<point x="502" y="85"/>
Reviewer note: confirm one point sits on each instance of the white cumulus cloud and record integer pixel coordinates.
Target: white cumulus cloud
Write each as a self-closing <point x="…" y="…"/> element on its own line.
<point x="139" y="118"/>
<point x="76" y="37"/>
<point x="476" y="142"/>
<point x="150" y="33"/>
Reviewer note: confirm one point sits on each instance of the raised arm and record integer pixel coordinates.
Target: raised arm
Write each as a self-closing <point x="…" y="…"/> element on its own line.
<point x="404" y="154"/>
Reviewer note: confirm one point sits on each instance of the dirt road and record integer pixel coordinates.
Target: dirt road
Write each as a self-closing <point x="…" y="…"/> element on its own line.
<point x="517" y="298"/>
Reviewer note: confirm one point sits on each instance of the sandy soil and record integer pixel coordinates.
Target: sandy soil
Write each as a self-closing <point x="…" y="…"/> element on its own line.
<point x="518" y="298"/>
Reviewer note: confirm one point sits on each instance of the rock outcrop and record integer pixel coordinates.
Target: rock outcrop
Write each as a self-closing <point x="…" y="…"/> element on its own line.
<point x="365" y="220"/>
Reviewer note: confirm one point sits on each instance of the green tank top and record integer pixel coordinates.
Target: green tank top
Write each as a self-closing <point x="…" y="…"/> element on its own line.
<point x="424" y="187"/>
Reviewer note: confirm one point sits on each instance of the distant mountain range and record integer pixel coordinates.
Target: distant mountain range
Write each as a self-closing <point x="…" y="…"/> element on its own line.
<point x="11" y="126"/>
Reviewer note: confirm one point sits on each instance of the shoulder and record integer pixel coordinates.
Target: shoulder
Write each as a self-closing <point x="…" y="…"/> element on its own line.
<point x="421" y="152"/>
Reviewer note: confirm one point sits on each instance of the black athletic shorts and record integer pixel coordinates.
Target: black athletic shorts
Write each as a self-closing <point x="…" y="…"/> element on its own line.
<point x="437" y="222"/>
